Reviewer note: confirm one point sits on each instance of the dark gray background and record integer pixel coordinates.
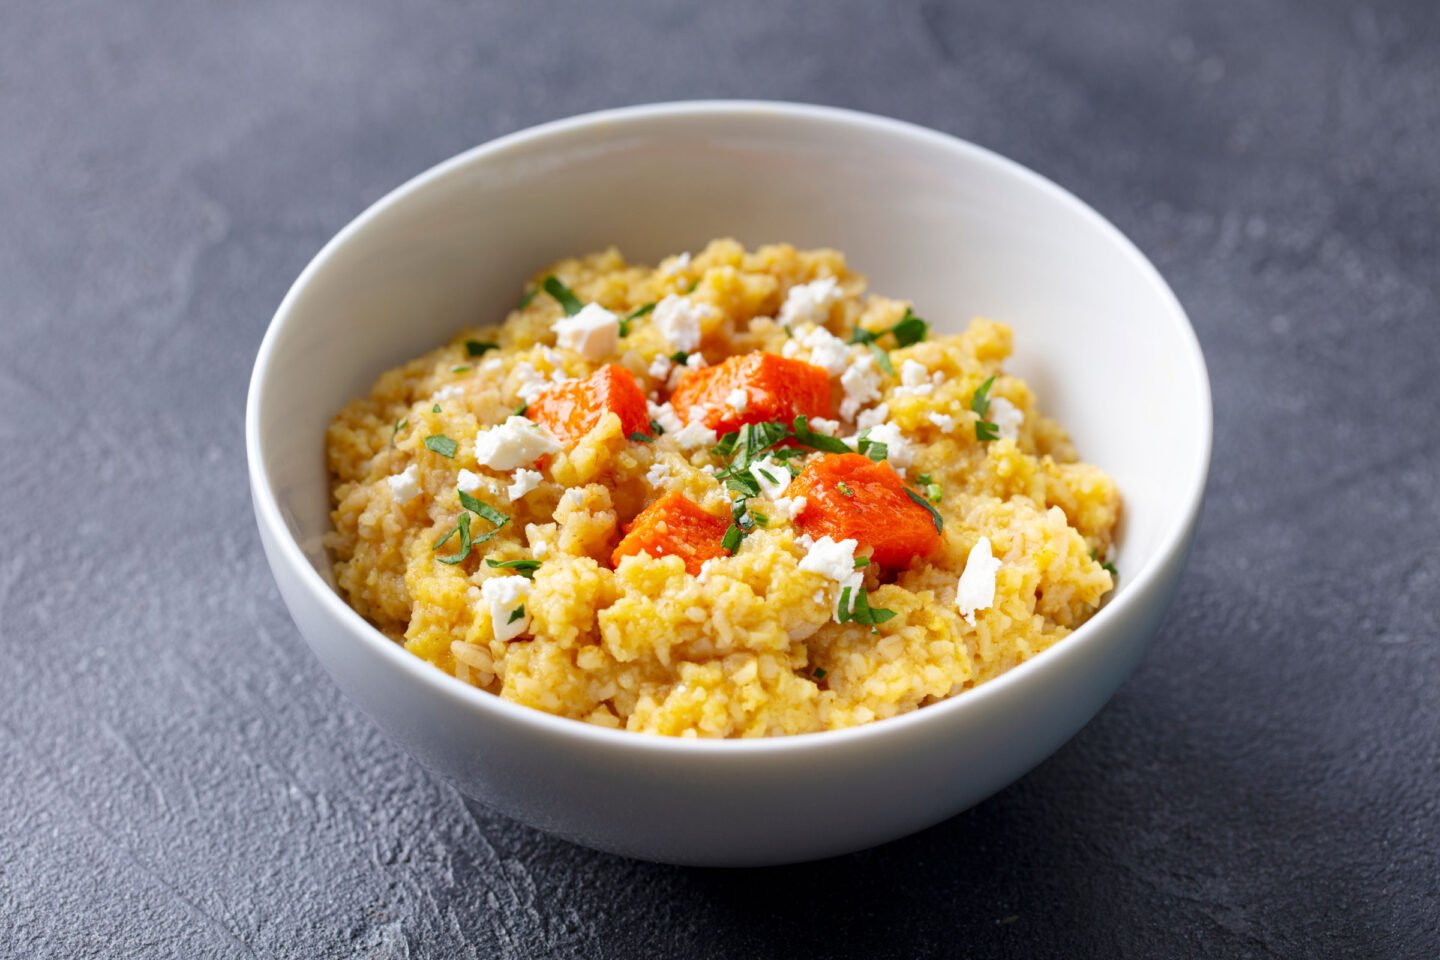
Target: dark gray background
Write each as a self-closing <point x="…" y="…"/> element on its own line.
<point x="179" y="779"/>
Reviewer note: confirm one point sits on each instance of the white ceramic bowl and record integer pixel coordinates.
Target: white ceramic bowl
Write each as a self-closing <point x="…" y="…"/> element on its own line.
<point x="956" y="228"/>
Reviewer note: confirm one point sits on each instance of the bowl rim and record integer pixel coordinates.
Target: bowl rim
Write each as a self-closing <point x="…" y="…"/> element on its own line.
<point x="1172" y="541"/>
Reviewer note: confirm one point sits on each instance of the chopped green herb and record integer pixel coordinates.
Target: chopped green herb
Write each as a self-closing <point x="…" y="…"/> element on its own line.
<point x="769" y="477"/>
<point x="726" y="446"/>
<point x="476" y="348"/>
<point x="679" y="356"/>
<point x="563" y="295"/>
<point x="861" y="562"/>
<point x="761" y="520"/>
<point x="881" y="357"/>
<point x="517" y="614"/>
<point x="635" y="314"/>
<point x="817" y="441"/>
<point x="861" y="612"/>
<point x="743" y="484"/>
<point x="639" y="437"/>
<point x="482" y="509"/>
<point x="933" y="493"/>
<point x="845" y="489"/>
<point x="463" y="528"/>
<point x="1110" y="568"/>
<point x="526" y="298"/>
<point x="985" y="431"/>
<point x="875" y="451"/>
<point x="435" y="409"/>
<point x="819" y="673"/>
<point x="910" y="330"/>
<point x="656" y="429"/>
<point x="980" y="401"/>
<point x="463" y="368"/>
<point x="934" y="514"/>
<point x="520" y="410"/>
<point x="526" y="568"/>
<point x="925" y="478"/>
<point x="400" y="424"/>
<point x="693" y="284"/>
<point x="442" y="445"/>
<point x="731" y="541"/>
<point x="842" y="612"/>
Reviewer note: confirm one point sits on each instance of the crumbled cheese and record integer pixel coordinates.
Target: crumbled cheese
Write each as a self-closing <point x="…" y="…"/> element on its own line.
<point x="594" y="332"/>
<point x="660" y="367"/>
<point x="828" y="427"/>
<point x="695" y="361"/>
<point x="678" y="320"/>
<point x="805" y="541"/>
<point x="448" y="392"/>
<point x="790" y="507"/>
<point x="671" y="267"/>
<point x="862" y="384"/>
<point x="976" y="589"/>
<point x="780" y="477"/>
<point x="873" y="417"/>
<point x="540" y="549"/>
<point x="658" y="475"/>
<point x="827" y="351"/>
<point x="523" y="481"/>
<point x="665" y="415"/>
<point x="737" y="400"/>
<point x="572" y="497"/>
<point x="897" y="449"/>
<point x="831" y="559"/>
<point x="506" y="595"/>
<point x="809" y="302"/>
<point x="944" y="421"/>
<point x="469" y="481"/>
<point x="514" y="443"/>
<point x="405" y="486"/>
<point x="1006" y="416"/>
<point x="532" y="381"/>
<point x="915" y="380"/>
<point x="491" y="365"/>
<point x="695" y="435"/>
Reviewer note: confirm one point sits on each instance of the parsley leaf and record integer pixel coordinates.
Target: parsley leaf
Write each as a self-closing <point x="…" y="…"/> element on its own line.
<point x="693" y="284"/>
<point x="517" y="614"/>
<point x="442" y="445"/>
<point x="980" y="400"/>
<point x="526" y="568"/>
<point x="463" y="528"/>
<point x="476" y="348"/>
<point x="985" y="430"/>
<point x="526" y="298"/>
<point x="656" y="429"/>
<point x="679" y="356"/>
<point x="563" y="295"/>
<point x="520" y="410"/>
<point x="845" y="489"/>
<point x="819" y="673"/>
<point x="639" y="437"/>
<point x="731" y="541"/>
<point x="933" y="493"/>
<point x="482" y="509"/>
<point x="400" y="424"/>
<point x="463" y="368"/>
<point x="875" y="451"/>
<point x="862" y="562"/>
<point x="817" y="441"/>
<point x="881" y="357"/>
<point x="910" y="330"/>
<point x="934" y="514"/>
<point x="435" y="409"/>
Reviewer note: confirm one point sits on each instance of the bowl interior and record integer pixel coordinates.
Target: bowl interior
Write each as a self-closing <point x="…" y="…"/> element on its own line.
<point x="960" y="231"/>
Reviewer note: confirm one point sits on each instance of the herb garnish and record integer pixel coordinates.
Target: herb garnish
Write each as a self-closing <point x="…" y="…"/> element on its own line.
<point x="635" y="314"/>
<point x="817" y="441"/>
<point x="845" y="489"/>
<point x="442" y="445"/>
<point x="908" y="331"/>
<point x="526" y="298"/>
<point x="520" y="410"/>
<point x="435" y="409"/>
<point x="980" y="403"/>
<point x="862" y="562"/>
<point x="400" y="424"/>
<point x="679" y="356"/>
<point x="563" y="295"/>
<point x="819" y="673"/>
<point x="476" y="348"/>
<point x="693" y="284"/>
<point x="875" y="451"/>
<point x="935" y="517"/>
<point x="517" y="613"/>
<point x="639" y="437"/>
<point x="860" y="611"/>
<point x="1105" y="565"/>
<point x="463" y="368"/>
<point x="656" y="429"/>
<point x="462" y="526"/>
<point x="526" y="568"/>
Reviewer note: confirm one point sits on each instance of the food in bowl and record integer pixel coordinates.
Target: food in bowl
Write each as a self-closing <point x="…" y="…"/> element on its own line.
<point x="731" y="495"/>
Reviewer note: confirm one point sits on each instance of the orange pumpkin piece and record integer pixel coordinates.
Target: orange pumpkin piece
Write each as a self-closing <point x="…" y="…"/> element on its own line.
<point x="571" y="409"/>
<point x="871" y="507"/>
<point x="775" y="387"/>
<point x="674" y="526"/>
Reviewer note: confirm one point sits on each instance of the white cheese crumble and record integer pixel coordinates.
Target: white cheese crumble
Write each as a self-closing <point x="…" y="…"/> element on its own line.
<point x="772" y="476"/>
<point x="448" y="392"/>
<point x="405" y="486"/>
<point x="944" y="421"/>
<point x="790" y="507"/>
<point x="660" y="367"/>
<point x="737" y="400"/>
<point x="897" y="449"/>
<point x="532" y="381"/>
<point x="469" y="481"/>
<point x="658" y="475"/>
<point x="514" y="443"/>
<point x="915" y="380"/>
<point x="976" y="589"/>
<point x="695" y="435"/>
<point x="1006" y="416"/>
<point x="672" y="267"/>
<point x="506" y="595"/>
<point x="695" y="361"/>
<point x="522" y="482"/>
<point x="678" y="320"/>
<point x="862" y="384"/>
<point x="873" y="417"/>
<point x="594" y="332"/>
<point x="827" y="351"/>
<point x="830" y="559"/>
<point x="491" y="365"/>
<point x="809" y="302"/>
<point x="665" y="415"/>
<point x="828" y="427"/>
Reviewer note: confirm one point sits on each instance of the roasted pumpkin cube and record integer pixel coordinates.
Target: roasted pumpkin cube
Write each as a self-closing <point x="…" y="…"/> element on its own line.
<point x="571" y="409"/>
<point x="753" y="388"/>
<point x="674" y="526"/>
<point x="848" y="496"/>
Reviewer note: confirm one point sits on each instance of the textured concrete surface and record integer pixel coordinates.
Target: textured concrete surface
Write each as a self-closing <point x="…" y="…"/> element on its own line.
<point x="178" y="778"/>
